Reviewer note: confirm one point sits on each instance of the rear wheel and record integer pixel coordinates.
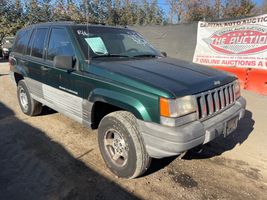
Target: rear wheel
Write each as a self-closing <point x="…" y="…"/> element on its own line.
<point x="122" y="146"/>
<point x="28" y="105"/>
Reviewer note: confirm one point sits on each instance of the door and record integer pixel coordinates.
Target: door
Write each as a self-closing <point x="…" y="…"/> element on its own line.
<point x="34" y="60"/>
<point x="63" y="87"/>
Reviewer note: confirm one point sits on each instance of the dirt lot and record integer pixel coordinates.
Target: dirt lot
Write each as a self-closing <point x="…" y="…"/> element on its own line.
<point x="53" y="157"/>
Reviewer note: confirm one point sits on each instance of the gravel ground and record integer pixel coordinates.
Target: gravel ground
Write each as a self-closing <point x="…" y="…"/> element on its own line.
<point x="53" y="157"/>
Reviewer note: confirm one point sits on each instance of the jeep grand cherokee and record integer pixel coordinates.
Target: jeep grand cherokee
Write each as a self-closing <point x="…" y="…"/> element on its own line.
<point x="145" y="105"/>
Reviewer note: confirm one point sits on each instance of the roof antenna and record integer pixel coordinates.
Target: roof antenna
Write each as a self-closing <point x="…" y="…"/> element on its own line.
<point x="87" y="28"/>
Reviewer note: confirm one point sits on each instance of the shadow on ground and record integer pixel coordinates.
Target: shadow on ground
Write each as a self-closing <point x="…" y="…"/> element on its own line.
<point x="47" y="111"/>
<point x="214" y="148"/>
<point x="222" y="144"/>
<point x="35" y="167"/>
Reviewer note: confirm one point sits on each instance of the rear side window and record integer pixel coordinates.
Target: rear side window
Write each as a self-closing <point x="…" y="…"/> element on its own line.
<point x="29" y="48"/>
<point x="59" y="44"/>
<point x="39" y="37"/>
<point x="21" y="41"/>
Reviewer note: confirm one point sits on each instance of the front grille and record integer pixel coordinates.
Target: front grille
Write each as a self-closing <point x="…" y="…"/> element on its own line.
<point x="213" y="101"/>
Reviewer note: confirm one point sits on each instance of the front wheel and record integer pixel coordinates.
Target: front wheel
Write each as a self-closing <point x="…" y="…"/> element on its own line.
<point x="122" y="146"/>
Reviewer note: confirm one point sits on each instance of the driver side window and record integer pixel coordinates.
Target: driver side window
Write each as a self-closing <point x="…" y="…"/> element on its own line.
<point x="59" y="44"/>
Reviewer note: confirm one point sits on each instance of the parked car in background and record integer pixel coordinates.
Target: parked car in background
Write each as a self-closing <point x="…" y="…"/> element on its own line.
<point x="145" y="105"/>
<point x="6" y="47"/>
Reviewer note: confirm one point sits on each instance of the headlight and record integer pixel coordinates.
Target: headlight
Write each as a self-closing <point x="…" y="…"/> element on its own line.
<point x="237" y="89"/>
<point x="173" y="110"/>
<point x="5" y="49"/>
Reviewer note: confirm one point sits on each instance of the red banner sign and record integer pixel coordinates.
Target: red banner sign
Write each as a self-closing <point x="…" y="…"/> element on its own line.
<point x="239" y="43"/>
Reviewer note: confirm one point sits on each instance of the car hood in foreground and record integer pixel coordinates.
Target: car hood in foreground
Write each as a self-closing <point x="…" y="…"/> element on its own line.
<point x="176" y="76"/>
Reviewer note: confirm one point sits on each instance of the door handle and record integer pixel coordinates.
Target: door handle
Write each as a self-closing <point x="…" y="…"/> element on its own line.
<point x="45" y="68"/>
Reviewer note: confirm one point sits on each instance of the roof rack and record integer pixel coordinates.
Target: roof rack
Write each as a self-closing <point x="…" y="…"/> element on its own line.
<point x="75" y="23"/>
<point x="55" y="22"/>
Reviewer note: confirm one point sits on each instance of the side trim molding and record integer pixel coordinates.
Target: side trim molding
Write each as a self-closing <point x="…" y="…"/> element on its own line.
<point x="70" y="105"/>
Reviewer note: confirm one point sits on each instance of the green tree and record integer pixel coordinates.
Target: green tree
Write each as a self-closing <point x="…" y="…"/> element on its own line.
<point x="18" y="17"/>
<point x="73" y="12"/>
<point x="155" y="14"/>
<point x="140" y="16"/>
<point x="45" y="9"/>
<point x="127" y="17"/>
<point x="59" y="12"/>
<point x="15" y="14"/>
<point x="11" y="18"/>
<point x="32" y="12"/>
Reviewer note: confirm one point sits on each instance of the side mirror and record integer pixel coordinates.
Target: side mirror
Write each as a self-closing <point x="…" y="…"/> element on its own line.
<point x="164" y="53"/>
<point x="64" y="62"/>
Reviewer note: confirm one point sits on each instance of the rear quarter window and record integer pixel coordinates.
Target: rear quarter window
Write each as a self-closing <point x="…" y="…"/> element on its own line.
<point x="29" y="48"/>
<point x="21" y="41"/>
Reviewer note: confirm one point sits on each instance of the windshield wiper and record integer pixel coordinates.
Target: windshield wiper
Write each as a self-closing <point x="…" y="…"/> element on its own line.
<point x="145" y="55"/>
<point x="110" y="55"/>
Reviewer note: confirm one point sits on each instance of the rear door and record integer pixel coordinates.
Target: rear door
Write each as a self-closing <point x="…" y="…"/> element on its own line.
<point x="34" y="58"/>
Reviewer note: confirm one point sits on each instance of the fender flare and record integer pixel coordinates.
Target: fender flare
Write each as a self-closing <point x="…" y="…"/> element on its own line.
<point x="126" y="102"/>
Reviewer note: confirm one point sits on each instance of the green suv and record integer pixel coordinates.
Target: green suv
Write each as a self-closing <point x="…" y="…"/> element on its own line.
<point x="143" y="104"/>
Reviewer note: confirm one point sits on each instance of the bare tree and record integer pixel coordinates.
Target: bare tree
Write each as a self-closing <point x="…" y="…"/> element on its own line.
<point x="238" y="8"/>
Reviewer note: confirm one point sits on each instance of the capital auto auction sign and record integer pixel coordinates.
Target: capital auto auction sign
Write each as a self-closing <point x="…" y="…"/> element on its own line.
<point x="239" y="43"/>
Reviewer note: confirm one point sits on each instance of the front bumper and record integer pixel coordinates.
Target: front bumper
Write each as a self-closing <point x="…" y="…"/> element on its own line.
<point x="162" y="141"/>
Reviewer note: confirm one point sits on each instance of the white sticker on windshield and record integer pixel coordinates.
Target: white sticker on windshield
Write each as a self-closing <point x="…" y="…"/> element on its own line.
<point x="136" y="37"/>
<point x="97" y="45"/>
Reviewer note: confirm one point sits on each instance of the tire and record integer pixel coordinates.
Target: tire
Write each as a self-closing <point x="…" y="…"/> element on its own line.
<point x="118" y="131"/>
<point x="28" y="105"/>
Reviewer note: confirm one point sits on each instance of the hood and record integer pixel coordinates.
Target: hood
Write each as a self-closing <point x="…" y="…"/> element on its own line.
<point x="173" y="75"/>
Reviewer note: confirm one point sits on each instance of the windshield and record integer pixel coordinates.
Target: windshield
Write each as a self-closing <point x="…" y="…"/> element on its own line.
<point x="102" y="42"/>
